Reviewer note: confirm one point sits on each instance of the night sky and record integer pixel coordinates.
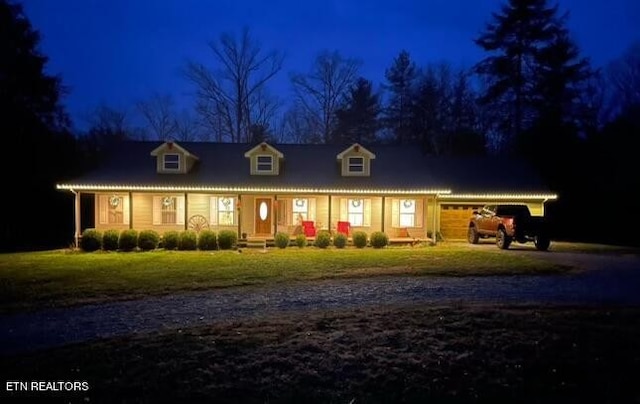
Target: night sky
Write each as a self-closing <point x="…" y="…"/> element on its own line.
<point x="119" y="51"/>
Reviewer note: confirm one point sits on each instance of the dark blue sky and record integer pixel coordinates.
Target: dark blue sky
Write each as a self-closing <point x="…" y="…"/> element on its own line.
<point x="119" y="51"/>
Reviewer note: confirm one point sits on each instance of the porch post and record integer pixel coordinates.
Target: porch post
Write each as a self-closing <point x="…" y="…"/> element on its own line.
<point x="435" y="219"/>
<point x="383" y="215"/>
<point x="186" y="210"/>
<point x="76" y="219"/>
<point x="130" y="210"/>
<point x="239" y="207"/>
<point x="275" y="215"/>
<point x="329" y="220"/>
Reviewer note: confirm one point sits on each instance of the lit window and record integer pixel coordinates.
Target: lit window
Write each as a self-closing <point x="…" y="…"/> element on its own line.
<point x="356" y="164"/>
<point x="264" y="164"/>
<point x="115" y="210"/>
<point x="168" y="210"/>
<point x="300" y="208"/>
<point x="407" y="212"/>
<point x="355" y="210"/>
<point x="171" y="162"/>
<point x="226" y="211"/>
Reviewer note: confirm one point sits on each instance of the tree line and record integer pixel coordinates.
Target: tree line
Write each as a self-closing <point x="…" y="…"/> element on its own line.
<point x="533" y="95"/>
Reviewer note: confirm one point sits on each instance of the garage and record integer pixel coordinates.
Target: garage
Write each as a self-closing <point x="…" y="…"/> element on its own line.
<point x="454" y="220"/>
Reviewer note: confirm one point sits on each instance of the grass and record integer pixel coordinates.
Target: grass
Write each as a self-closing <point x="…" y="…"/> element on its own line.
<point x="63" y="277"/>
<point x="471" y="354"/>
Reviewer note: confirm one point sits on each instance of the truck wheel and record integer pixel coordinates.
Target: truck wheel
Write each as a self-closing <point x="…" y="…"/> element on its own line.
<point x="502" y="239"/>
<point x="541" y="242"/>
<point x="472" y="235"/>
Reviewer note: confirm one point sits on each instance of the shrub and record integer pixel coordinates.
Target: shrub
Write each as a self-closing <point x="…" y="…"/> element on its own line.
<point x="227" y="239"/>
<point x="301" y="240"/>
<point x="148" y="240"/>
<point x="323" y="239"/>
<point x="379" y="239"/>
<point x="188" y="240"/>
<point x="91" y="240"/>
<point x="282" y="240"/>
<point x="110" y="240"/>
<point x="207" y="240"/>
<point x="340" y="240"/>
<point x="170" y="240"/>
<point x="360" y="239"/>
<point x="128" y="240"/>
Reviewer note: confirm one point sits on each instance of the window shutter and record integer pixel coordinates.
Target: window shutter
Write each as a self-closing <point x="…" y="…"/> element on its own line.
<point x="419" y="212"/>
<point x="213" y="211"/>
<point x="312" y="209"/>
<point x="367" y="213"/>
<point x="287" y="211"/>
<point x="103" y="207"/>
<point x="180" y="210"/>
<point x="395" y="212"/>
<point x="125" y="209"/>
<point x="344" y="212"/>
<point x="157" y="210"/>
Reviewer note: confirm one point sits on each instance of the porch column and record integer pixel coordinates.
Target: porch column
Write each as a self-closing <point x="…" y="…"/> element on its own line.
<point x="239" y="207"/>
<point x="435" y="219"/>
<point x="275" y="215"/>
<point x="329" y="221"/>
<point x="383" y="215"/>
<point x="186" y="210"/>
<point x="76" y="219"/>
<point x="130" y="210"/>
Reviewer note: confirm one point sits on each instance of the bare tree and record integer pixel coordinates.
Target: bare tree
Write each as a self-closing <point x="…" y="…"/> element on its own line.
<point x="187" y="128"/>
<point x="321" y="92"/>
<point x="624" y="76"/>
<point x="295" y="126"/>
<point x="228" y="96"/>
<point x="158" y="113"/>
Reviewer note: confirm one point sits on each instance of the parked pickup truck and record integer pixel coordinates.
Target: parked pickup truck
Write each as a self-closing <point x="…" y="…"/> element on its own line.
<point x="508" y="223"/>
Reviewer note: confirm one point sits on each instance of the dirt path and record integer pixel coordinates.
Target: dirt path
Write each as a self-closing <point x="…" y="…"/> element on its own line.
<point x="606" y="280"/>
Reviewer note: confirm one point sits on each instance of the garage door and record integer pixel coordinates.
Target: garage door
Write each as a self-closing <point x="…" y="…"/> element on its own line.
<point x="454" y="220"/>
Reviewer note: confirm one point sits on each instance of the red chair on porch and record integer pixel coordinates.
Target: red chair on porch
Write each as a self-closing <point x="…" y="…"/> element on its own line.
<point x="344" y="228"/>
<point x="309" y="228"/>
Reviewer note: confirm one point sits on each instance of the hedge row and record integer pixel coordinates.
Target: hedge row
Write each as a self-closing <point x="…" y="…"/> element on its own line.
<point x="323" y="239"/>
<point x="145" y="240"/>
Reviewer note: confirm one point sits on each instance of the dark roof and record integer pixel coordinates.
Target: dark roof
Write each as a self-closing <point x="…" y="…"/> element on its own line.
<point x="315" y="166"/>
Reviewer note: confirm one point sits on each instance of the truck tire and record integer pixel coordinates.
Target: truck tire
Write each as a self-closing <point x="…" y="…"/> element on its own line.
<point x="472" y="235"/>
<point x="541" y="242"/>
<point x="502" y="239"/>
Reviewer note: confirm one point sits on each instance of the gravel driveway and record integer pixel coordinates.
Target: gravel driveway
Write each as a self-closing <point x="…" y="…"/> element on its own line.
<point x="607" y="279"/>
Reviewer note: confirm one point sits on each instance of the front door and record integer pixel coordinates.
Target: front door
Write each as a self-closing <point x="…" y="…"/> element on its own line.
<point x="263" y="216"/>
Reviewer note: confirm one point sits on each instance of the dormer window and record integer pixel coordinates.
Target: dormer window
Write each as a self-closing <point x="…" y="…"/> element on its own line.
<point x="264" y="160"/>
<point x="356" y="165"/>
<point x="264" y="163"/>
<point x="355" y="161"/>
<point x="172" y="158"/>
<point x="171" y="162"/>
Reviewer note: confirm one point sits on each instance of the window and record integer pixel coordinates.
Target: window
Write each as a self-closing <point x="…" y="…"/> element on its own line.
<point x="300" y="208"/>
<point x="171" y="162"/>
<point x="114" y="209"/>
<point x="407" y="213"/>
<point x="264" y="164"/>
<point x="355" y="212"/>
<point x="168" y="210"/>
<point x="356" y="164"/>
<point x="226" y="211"/>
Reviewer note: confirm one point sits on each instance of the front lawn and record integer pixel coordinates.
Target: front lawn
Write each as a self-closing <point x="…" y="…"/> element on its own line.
<point x="63" y="277"/>
<point x="382" y="355"/>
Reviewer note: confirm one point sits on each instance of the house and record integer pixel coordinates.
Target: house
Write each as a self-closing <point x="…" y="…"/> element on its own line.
<point x="261" y="189"/>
